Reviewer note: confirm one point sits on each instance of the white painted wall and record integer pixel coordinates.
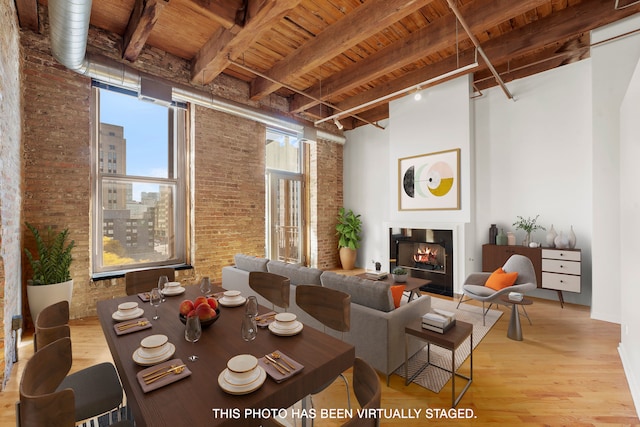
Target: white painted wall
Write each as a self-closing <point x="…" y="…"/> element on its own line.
<point x="630" y="234"/>
<point x="533" y="157"/>
<point x="613" y="65"/>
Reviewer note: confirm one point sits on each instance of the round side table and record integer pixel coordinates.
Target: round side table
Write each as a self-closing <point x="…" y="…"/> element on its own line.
<point x="515" y="329"/>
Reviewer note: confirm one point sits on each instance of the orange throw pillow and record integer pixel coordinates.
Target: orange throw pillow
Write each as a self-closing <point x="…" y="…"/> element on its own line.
<point x="499" y="279"/>
<point x="396" y="293"/>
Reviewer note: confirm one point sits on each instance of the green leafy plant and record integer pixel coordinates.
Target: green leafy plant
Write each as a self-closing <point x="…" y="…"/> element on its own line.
<point x="348" y="229"/>
<point x="528" y="224"/>
<point x="399" y="271"/>
<point x="54" y="256"/>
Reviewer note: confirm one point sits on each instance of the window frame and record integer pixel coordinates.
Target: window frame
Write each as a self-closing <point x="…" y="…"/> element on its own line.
<point x="177" y="177"/>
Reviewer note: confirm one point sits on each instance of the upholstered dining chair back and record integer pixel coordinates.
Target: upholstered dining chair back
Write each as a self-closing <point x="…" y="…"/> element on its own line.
<point x="273" y="287"/>
<point x="328" y="306"/>
<point x="145" y="280"/>
<point x="51" y="324"/>
<point x="366" y="386"/>
<point x="41" y="404"/>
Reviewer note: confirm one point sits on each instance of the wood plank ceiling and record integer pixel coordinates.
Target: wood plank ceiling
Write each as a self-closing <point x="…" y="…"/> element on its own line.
<point x="330" y="56"/>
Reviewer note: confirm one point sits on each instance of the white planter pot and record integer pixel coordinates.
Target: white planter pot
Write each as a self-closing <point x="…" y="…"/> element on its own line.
<point x="41" y="296"/>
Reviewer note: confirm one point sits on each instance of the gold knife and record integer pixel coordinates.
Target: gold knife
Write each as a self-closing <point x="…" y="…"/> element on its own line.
<point x="272" y="360"/>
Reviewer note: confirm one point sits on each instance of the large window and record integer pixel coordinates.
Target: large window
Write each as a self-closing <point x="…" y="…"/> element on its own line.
<point x="286" y="198"/>
<point x="140" y="192"/>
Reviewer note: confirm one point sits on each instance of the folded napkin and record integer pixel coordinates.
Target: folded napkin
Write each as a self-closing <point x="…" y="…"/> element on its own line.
<point x="263" y="320"/>
<point x="144" y="296"/>
<point x="276" y="375"/>
<point x="166" y="380"/>
<point x="136" y="328"/>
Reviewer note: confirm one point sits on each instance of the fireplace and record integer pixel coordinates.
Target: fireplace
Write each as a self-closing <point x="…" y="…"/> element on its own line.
<point x="427" y="254"/>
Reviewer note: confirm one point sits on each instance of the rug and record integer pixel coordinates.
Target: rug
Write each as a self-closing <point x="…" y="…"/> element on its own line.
<point x="433" y="378"/>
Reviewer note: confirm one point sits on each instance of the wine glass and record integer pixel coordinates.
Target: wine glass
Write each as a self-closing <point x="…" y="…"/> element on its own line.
<point x="162" y="280"/>
<point x="251" y="306"/>
<point x="192" y="332"/>
<point x="249" y="330"/>
<point x="205" y="286"/>
<point x="155" y="298"/>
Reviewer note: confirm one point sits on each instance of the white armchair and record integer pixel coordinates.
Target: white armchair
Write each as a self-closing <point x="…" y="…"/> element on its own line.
<point x="474" y="285"/>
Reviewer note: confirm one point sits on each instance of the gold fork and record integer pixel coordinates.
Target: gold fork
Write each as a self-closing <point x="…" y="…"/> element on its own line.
<point x="177" y="370"/>
<point x="277" y="356"/>
<point x="132" y="325"/>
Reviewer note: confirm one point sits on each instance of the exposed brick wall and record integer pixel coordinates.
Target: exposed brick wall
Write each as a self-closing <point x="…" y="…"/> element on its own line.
<point x="229" y="187"/>
<point x="10" y="192"/>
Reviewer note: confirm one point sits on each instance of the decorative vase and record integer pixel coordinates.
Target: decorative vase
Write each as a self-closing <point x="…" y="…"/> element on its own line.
<point x="511" y="238"/>
<point x="501" y="238"/>
<point x="572" y="238"/>
<point x="551" y="236"/>
<point x="348" y="258"/>
<point x="561" y="241"/>
<point x="493" y="233"/>
<point x="527" y="239"/>
<point x="400" y="278"/>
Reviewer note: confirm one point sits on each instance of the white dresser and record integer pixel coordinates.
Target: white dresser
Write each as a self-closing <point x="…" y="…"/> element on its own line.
<point x="561" y="270"/>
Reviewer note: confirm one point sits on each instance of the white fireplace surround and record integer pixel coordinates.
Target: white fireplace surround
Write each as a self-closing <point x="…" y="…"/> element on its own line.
<point x="458" y="236"/>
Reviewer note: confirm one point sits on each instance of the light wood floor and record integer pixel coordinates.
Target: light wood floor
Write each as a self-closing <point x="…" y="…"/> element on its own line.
<point x="566" y="372"/>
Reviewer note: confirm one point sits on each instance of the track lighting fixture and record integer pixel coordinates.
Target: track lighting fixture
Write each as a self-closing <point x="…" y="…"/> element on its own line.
<point x="336" y="122"/>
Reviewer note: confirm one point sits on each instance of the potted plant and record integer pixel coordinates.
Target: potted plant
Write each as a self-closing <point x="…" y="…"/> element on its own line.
<point x="400" y="274"/>
<point x="348" y="229"/>
<point x="528" y="225"/>
<point x="51" y="281"/>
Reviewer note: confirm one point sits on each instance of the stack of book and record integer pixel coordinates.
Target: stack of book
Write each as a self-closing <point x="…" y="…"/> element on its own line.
<point x="438" y="320"/>
<point x="376" y="275"/>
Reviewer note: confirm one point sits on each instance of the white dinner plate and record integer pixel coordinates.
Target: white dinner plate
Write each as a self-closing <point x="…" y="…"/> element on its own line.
<point x="140" y="360"/>
<point x="229" y="379"/>
<point x="173" y="291"/>
<point x="243" y="389"/>
<point x="134" y="313"/>
<point x="285" y="332"/>
<point x="225" y="303"/>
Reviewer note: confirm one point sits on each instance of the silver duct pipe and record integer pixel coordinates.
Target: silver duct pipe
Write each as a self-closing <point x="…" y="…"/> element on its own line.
<point x="69" y="27"/>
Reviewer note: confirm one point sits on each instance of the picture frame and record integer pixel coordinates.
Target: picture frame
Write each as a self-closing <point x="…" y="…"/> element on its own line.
<point x="429" y="181"/>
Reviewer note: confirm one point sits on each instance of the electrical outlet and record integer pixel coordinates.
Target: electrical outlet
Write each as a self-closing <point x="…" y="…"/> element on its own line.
<point x="16" y="322"/>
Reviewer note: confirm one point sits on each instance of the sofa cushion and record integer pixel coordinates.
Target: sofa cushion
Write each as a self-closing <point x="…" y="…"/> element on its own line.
<point x="370" y="293"/>
<point x="250" y="263"/>
<point x="297" y="274"/>
<point x="500" y="279"/>
<point x="396" y="292"/>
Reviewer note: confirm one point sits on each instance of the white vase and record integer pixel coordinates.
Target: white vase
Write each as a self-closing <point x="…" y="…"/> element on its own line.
<point x="551" y="236"/>
<point x="572" y="238"/>
<point x="41" y="296"/>
<point x="561" y="241"/>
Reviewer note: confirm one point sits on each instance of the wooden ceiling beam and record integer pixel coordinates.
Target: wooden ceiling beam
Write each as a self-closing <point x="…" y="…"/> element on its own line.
<point x="229" y="44"/>
<point x="28" y="15"/>
<point x="365" y="21"/>
<point x="440" y="34"/>
<point x="141" y="22"/>
<point x="563" y="25"/>
<point x="225" y="12"/>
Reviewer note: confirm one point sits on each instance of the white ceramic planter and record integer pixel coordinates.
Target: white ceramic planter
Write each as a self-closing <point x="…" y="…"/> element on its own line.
<point x="41" y="296"/>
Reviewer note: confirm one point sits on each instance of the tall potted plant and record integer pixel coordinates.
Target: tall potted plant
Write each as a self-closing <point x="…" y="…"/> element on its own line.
<point x="51" y="281"/>
<point x="348" y="230"/>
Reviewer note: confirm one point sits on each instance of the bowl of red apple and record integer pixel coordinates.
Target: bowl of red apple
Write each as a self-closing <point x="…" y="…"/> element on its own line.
<point x="205" y="308"/>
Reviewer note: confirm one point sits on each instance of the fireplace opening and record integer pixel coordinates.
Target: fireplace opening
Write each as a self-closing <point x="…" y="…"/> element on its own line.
<point x="427" y="254"/>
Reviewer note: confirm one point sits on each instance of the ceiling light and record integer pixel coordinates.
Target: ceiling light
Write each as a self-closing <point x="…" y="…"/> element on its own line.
<point x="337" y="123"/>
<point x="418" y="95"/>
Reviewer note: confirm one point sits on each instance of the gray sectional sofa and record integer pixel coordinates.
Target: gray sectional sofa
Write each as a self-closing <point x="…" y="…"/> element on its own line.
<point x="377" y="327"/>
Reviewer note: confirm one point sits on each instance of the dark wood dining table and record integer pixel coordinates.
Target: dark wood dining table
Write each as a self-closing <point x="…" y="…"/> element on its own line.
<point x="198" y="400"/>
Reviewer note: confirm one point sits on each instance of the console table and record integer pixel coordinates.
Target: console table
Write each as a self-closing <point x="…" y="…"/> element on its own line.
<point x="556" y="269"/>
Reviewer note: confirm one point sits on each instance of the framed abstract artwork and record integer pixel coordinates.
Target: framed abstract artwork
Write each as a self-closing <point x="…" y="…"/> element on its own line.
<point x="429" y="181"/>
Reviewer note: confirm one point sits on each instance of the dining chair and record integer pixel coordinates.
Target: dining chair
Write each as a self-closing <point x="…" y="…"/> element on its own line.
<point x="366" y="387"/>
<point x="43" y="400"/>
<point x="51" y="324"/>
<point x="330" y="307"/>
<point x="474" y="286"/>
<point x="144" y="280"/>
<point x="271" y="286"/>
<point x="90" y="401"/>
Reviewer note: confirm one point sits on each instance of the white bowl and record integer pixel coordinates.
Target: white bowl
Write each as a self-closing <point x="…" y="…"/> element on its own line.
<point x="285" y="321"/>
<point x="242" y="367"/>
<point x="172" y="284"/>
<point x="153" y="345"/>
<point x="233" y="296"/>
<point x="127" y="308"/>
